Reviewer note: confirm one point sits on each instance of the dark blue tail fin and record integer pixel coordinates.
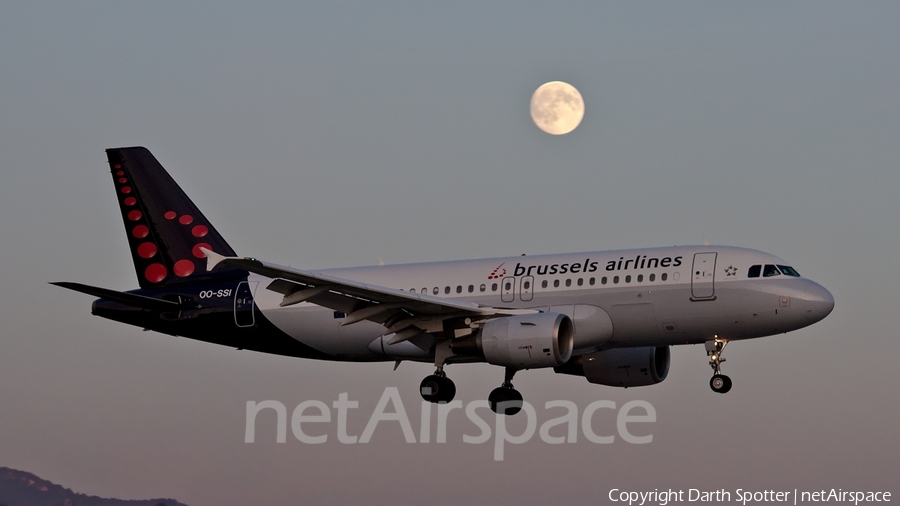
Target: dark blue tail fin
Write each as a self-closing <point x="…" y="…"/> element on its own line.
<point x="165" y="229"/>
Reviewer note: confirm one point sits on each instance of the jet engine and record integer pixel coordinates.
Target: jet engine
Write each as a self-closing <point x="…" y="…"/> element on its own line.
<point x="621" y="367"/>
<point x="523" y="341"/>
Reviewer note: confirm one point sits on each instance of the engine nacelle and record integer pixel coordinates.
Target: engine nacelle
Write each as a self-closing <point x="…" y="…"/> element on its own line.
<point x="621" y="367"/>
<point x="523" y="341"/>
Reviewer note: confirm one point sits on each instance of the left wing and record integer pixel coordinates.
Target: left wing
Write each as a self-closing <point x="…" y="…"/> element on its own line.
<point x="404" y="314"/>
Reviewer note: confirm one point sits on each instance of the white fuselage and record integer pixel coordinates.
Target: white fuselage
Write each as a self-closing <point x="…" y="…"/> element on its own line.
<point x="626" y="298"/>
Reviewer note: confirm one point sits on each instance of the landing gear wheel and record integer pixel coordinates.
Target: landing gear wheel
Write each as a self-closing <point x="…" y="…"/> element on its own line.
<point x="720" y="383"/>
<point x="505" y="400"/>
<point x="436" y="388"/>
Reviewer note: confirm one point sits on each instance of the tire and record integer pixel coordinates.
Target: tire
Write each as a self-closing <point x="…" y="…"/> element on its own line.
<point x="727" y="385"/>
<point x="437" y="389"/>
<point x="446" y="390"/>
<point x="505" y="401"/>
<point x="720" y="383"/>
<point x="430" y="388"/>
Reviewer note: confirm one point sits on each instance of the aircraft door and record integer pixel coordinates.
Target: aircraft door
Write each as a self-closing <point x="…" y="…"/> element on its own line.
<point x="508" y="289"/>
<point x="526" y="288"/>
<point x="703" y="276"/>
<point x="243" y="304"/>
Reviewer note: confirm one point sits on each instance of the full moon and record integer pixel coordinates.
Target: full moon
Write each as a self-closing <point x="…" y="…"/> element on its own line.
<point x="557" y="108"/>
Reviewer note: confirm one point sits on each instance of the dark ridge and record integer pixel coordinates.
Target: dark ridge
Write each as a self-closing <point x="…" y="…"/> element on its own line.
<point x="18" y="488"/>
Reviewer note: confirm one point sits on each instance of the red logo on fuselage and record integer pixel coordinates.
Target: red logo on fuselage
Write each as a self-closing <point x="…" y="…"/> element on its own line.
<point x="498" y="272"/>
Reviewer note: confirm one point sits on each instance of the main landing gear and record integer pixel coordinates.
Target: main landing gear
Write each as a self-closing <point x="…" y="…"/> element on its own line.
<point x="719" y="382"/>
<point x="437" y="387"/>
<point x="505" y="399"/>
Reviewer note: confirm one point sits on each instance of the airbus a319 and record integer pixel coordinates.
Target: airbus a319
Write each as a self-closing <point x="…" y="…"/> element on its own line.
<point x="608" y="316"/>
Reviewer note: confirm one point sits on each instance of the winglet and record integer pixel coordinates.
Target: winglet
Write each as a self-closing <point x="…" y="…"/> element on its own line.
<point x="212" y="258"/>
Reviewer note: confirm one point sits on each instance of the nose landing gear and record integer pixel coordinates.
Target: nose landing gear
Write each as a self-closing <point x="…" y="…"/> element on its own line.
<point x="719" y="382"/>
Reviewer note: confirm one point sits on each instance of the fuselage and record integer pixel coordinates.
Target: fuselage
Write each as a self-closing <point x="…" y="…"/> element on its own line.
<point x="624" y="298"/>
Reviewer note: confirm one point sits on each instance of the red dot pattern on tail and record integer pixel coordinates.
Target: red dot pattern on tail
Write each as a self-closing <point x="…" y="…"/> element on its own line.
<point x="184" y="268"/>
<point x="196" y="250"/>
<point x="147" y="250"/>
<point x="157" y="272"/>
<point x="140" y="231"/>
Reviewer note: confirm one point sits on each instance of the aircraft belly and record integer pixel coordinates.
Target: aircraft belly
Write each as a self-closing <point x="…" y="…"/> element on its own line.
<point x="317" y="328"/>
<point x="634" y="324"/>
<point x="669" y="316"/>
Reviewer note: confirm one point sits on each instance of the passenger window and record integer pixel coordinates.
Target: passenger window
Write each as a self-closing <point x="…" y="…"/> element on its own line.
<point x="483" y="287"/>
<point x="471" y="288"/>
<point x="424" y="290"/>
<point x="652" y="278"/>
<point x="770" y="270"/>
<point x="789" y="271"/>
<point x="436" y="290"/>
<point x="603" y="280"/>
<point x="446" y="289"/>
<point x="580" y="281"/>
<point x="494" y="287"/>
<point x="628" y="278"/>
<point x="754" y="271"/>
<point x="568" y="282"/>
<point x="527" y="285"/>
<point x="544" y="284"/>
<point x="664" y="276"/>
<point x="507" y="286"/>
<point x="555" y="283"/>
<point x="458" y="288"/>
<point x="592" y="281"/>
<point x="640" y="278"/>
<point x="615" y="280"/>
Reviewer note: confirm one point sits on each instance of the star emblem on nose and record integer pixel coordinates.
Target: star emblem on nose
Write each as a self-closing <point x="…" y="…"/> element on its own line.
<point x="730" y="270"/>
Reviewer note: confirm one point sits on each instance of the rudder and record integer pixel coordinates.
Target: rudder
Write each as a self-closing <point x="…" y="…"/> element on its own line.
<point x="165" y="229"/>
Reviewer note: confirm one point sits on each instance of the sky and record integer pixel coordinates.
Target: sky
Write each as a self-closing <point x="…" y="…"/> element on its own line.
<point x="337" y="134"/>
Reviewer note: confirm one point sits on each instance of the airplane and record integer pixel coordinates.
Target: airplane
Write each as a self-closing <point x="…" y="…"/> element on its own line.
<point x="608" y="316"/>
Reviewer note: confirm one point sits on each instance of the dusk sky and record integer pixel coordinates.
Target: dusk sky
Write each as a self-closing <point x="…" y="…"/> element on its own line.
<point x="338" y="134"/>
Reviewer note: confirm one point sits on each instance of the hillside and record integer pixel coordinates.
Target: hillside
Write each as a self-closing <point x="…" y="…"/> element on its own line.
<point x="18" y="488"/>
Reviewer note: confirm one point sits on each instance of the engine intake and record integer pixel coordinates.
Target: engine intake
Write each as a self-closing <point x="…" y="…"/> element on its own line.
<point x="621" y="367"/>
<point x="523" y="341"/>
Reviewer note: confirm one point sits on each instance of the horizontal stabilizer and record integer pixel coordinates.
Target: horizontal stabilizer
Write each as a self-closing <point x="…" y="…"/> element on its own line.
<point x="131" y="299"/>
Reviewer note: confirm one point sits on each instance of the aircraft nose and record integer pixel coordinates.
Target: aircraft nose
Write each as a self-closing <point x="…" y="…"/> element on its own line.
<point x="818" y="300"/>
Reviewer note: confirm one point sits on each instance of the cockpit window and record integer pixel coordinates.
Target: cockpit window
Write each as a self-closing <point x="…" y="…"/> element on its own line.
<point x="789" y="271"/>
<point x="770" y="270"/>
<point x="754" y="271"/>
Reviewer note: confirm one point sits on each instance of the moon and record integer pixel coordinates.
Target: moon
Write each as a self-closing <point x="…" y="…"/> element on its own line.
<point x="557" y="108"/>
